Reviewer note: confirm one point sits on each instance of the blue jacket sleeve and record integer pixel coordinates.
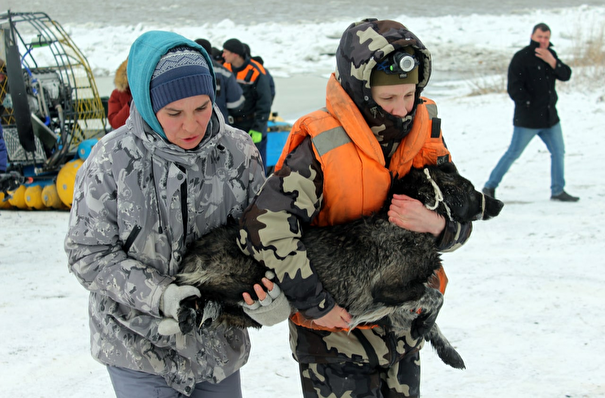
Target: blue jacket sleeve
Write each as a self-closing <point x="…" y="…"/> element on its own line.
<point x="3" y="153"/>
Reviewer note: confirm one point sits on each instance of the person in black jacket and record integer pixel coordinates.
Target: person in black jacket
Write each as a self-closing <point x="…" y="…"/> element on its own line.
<point x="260" y="60"/>
<point x="252" y="77"/>
<point x="229" y="94"/>
<point x="532" y="74"/>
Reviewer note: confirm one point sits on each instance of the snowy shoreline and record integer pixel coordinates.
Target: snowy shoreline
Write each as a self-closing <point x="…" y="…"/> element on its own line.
<point x="471" y="44"/>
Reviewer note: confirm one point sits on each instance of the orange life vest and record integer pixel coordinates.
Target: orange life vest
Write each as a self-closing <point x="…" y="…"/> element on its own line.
<point x="356" y="180"/>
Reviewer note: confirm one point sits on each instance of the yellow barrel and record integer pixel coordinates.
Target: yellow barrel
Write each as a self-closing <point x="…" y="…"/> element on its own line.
<point x="18" y="198"/>
<point x="66" y="179"/>
<point x="4" y="203"/>
<point x="33" y="197"/>
<point x="50" y="197"/>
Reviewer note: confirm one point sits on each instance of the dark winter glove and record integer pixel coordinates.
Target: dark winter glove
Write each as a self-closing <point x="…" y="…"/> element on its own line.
<point x="272" y="310"/>
<point x="170" y="303"/>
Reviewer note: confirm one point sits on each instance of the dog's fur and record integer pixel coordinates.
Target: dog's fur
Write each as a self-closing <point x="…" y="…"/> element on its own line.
<point x="372" y="268"/>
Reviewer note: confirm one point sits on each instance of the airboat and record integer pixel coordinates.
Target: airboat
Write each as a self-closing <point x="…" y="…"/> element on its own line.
<point x="51" y="111"/>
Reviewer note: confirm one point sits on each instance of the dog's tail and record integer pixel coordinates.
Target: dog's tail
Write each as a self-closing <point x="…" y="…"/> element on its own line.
<point x="446" y="352"/>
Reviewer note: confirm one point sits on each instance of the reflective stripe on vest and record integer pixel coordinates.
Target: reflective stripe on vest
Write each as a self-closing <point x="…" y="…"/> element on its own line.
<point x="330" y="139"/>
<point x="249" y="74"/>
<point x="432" y="109"/>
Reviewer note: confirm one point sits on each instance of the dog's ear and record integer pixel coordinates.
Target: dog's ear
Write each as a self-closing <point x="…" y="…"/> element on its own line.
<point x="449" y="168"/>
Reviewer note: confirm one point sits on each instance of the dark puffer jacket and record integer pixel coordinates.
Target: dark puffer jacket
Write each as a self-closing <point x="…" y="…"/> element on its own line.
<point x="531" y="84"/>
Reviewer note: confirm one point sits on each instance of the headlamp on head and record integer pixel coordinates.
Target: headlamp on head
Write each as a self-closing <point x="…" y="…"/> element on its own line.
<point x="400" y="67"/>
<point x="399" y="63"/>
<point x="406" y="62"/>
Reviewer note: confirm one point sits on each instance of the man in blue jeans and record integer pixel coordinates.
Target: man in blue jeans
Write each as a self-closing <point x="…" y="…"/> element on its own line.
<point x="532" y="74"/>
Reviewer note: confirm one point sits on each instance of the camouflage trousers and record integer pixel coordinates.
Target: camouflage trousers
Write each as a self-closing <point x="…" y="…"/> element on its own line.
<point x="363" y="363"/>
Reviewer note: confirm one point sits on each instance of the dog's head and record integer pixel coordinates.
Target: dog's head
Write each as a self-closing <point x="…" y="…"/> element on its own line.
<point x="444" y="189"/>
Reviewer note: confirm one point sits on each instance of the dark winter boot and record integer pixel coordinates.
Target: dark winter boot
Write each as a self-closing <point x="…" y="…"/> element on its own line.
<point x="563" y="197"/>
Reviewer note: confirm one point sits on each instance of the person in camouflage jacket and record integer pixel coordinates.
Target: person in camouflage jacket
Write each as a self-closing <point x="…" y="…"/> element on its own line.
<point x="172" y="173"/>
<point x="325" y="177"/>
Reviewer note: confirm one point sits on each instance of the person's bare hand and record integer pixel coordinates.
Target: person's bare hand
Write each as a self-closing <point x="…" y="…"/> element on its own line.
<point x="545" y="55"/>
<point x="338" y="317"/>
<point x="411" y="214"/>
<point x="260" y="292"/>
<point x="272" y="306"/>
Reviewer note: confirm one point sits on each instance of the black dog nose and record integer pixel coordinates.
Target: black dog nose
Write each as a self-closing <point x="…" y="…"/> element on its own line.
<point x="492" y="207"/>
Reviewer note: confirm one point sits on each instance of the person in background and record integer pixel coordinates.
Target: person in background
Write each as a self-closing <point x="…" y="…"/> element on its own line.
<point x="118" y="108"/>
<point x="251" y="76"/>
<point x="337" y="166"/>
<point x="229" y="95"/>
<point x="3" y="152"/>
<point x="147" y="191"/>
<point x="532" y="75"/>
<point x="217" y="55"/>
<point x="258" y="59"/>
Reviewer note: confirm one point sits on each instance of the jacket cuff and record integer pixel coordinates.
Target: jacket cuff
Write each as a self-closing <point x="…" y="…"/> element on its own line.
<point x="453" y="236"/>
<point x="321" y="309"/>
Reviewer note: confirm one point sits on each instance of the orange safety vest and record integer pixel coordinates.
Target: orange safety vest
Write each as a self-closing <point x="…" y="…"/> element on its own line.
<point x="356" y="181"/>
<point x="249" y="74"/>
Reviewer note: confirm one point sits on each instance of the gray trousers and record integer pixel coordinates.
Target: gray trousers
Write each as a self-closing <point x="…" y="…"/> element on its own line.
<point x="133" y="384"/>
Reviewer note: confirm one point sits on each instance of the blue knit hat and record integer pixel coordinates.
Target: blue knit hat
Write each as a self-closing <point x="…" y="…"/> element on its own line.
<point x="182" y="72"/>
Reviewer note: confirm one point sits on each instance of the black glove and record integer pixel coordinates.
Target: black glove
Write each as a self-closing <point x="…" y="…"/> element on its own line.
<point x="10" y="181"/>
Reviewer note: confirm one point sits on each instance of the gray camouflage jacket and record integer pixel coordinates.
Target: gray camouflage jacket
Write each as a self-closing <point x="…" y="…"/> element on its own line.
<point x="128" y="232"/>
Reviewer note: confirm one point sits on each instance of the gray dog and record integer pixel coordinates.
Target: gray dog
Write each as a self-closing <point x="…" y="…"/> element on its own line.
<point x="372" y="268"/>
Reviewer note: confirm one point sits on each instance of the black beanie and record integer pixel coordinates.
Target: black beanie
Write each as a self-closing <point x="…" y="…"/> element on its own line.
<point x="205" y="44"/>
<point x="235" y="46"/>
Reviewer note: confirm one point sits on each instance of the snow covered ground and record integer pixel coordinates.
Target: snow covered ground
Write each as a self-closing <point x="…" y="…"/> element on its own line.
<point x="524" y="306"/>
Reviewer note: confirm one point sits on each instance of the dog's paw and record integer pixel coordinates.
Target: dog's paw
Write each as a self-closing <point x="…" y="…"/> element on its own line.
<point x="444" y="348"/>
<point x="188" y="315"/>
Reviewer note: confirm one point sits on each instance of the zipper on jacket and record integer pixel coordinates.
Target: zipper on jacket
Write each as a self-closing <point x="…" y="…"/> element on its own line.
<point x="184" y="204"/>
<point x="131" y="237"/>
<point x="157" y="199"/>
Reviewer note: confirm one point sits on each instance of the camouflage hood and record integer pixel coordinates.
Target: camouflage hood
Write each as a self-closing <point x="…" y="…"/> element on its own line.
<point x="362" y="46"/>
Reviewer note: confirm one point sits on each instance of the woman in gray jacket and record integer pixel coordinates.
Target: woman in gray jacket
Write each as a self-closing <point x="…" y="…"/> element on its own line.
<point x="168" y="176"/>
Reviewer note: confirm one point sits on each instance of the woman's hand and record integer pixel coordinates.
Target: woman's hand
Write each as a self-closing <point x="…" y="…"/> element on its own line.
<point x="411" y="214"/>
<point x="338" y="317"/>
